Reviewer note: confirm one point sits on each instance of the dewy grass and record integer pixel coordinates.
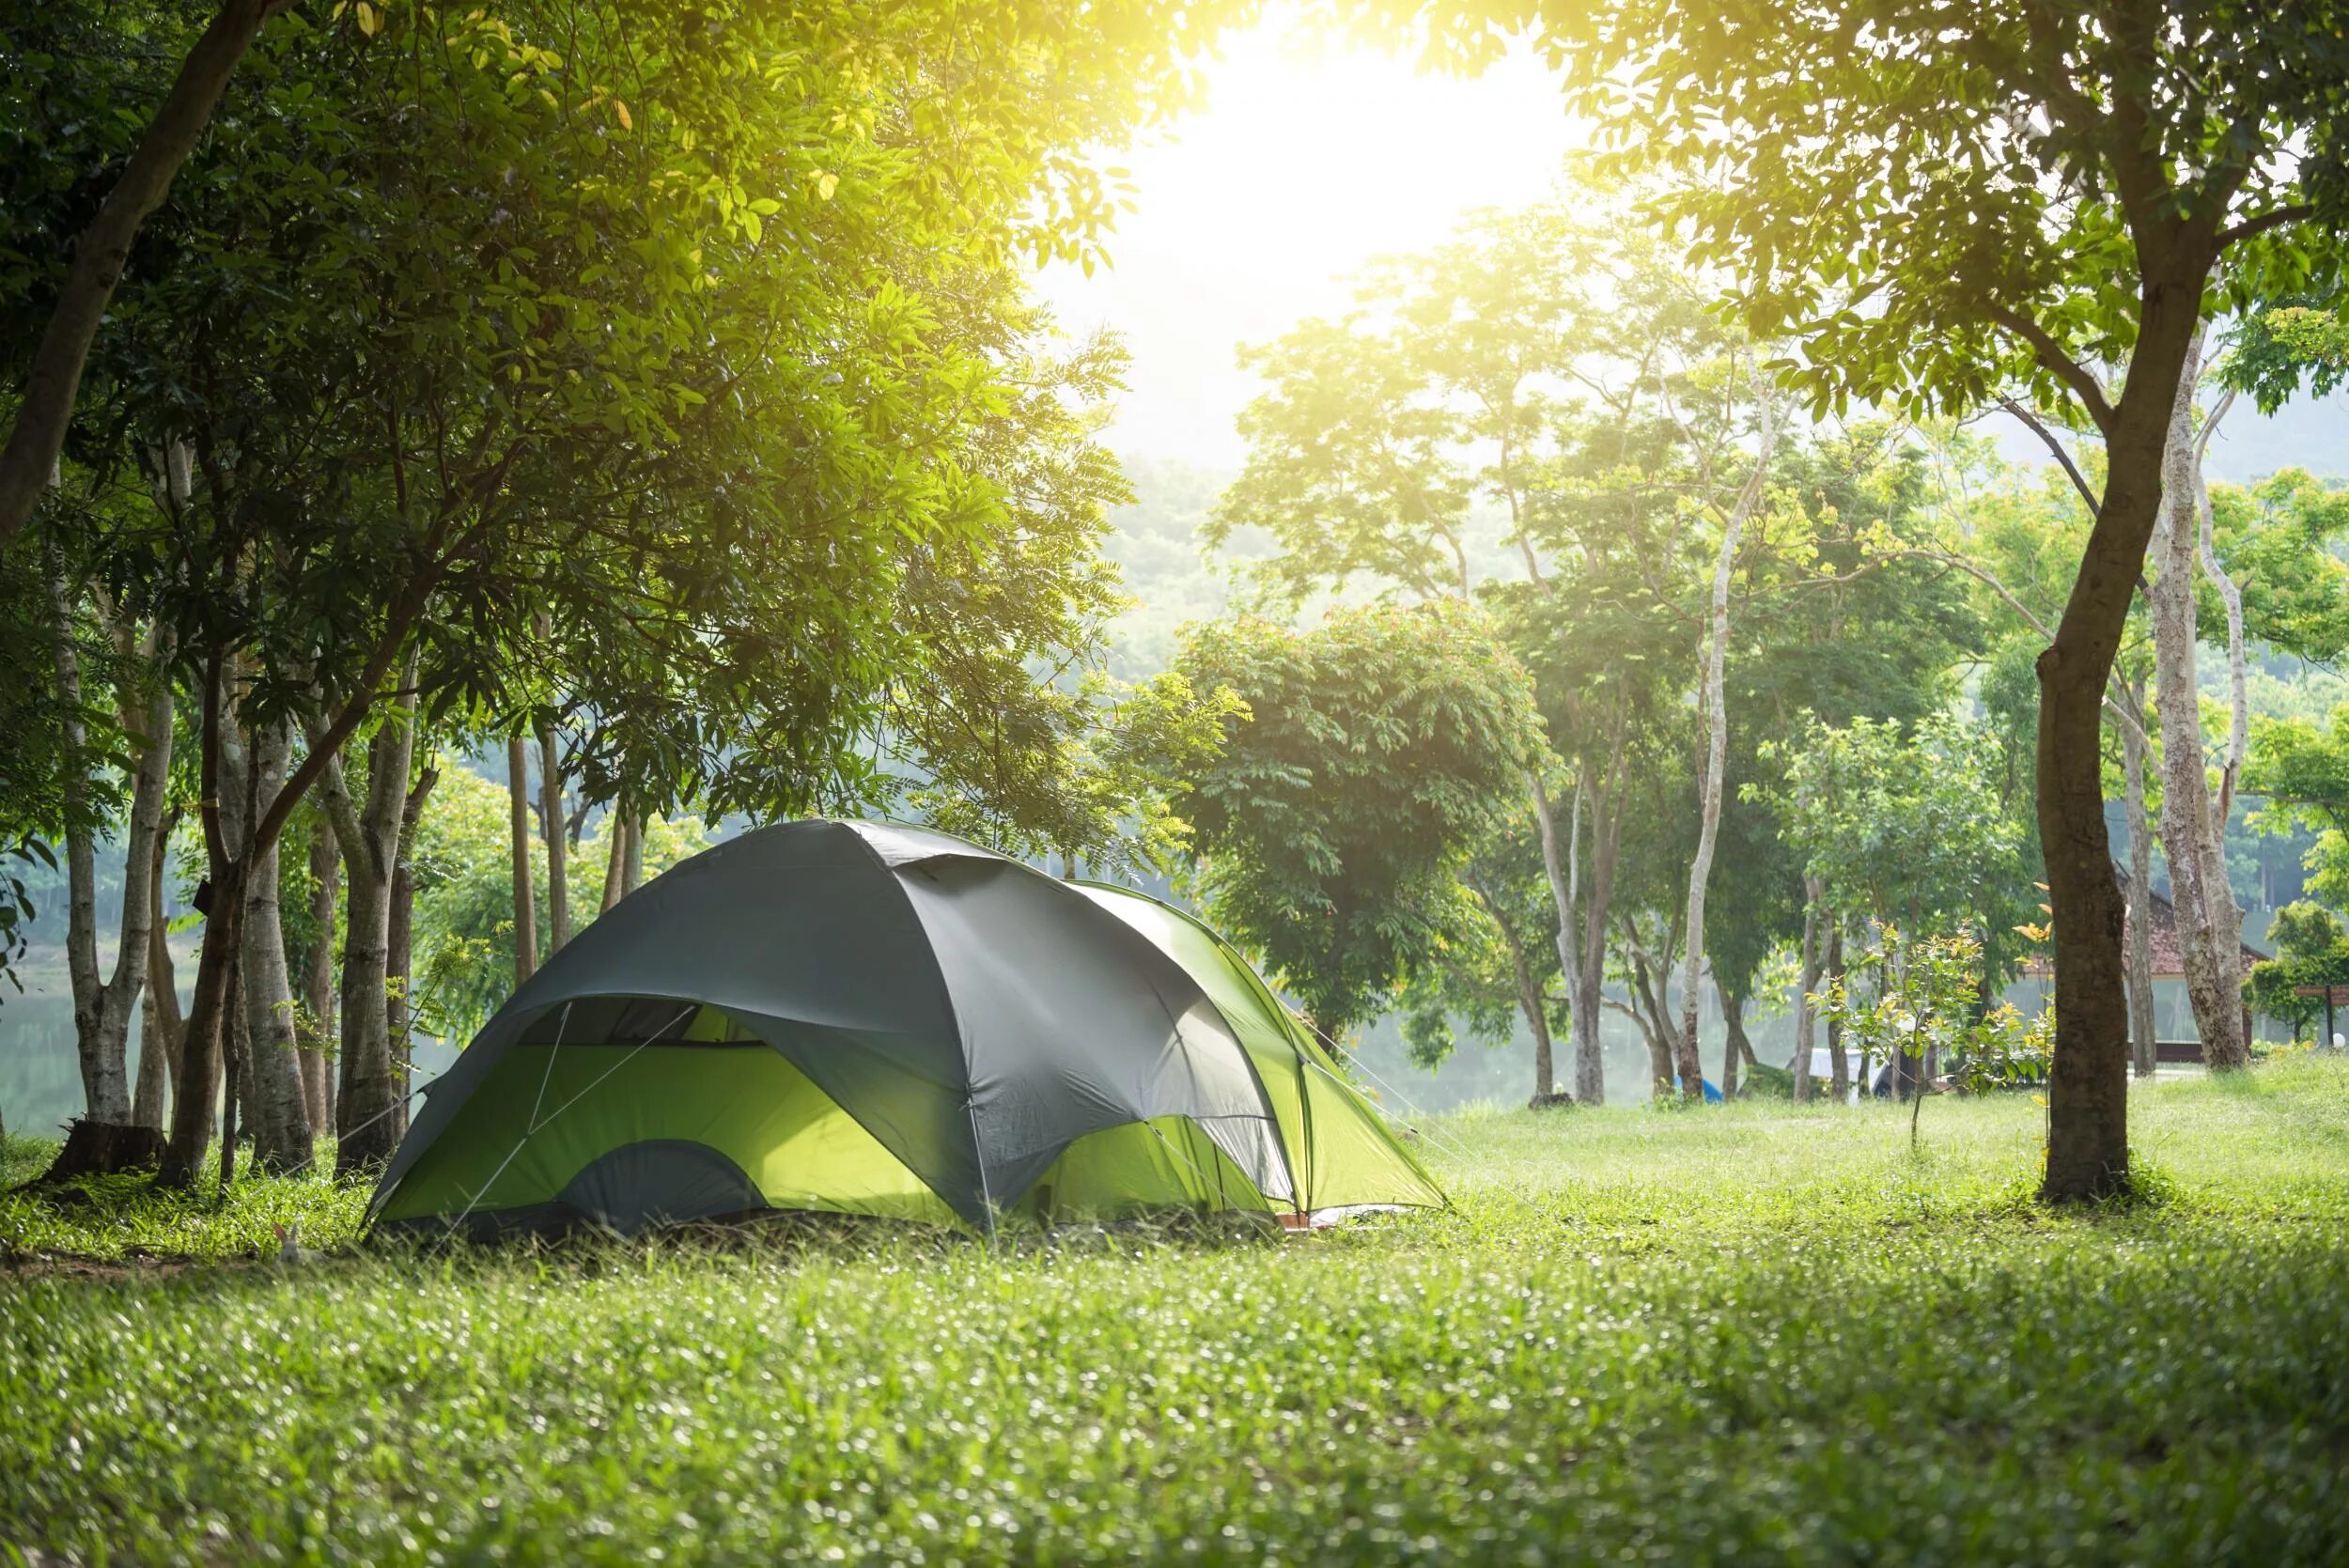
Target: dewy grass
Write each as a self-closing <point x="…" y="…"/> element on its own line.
<point x="1750" y="1334"/>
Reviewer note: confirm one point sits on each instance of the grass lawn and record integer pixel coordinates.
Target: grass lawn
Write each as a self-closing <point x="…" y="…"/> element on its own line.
<point x="1742" y="1334"/>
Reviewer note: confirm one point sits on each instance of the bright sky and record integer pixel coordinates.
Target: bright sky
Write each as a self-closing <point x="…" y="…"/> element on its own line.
<point x="1310" y="157"/>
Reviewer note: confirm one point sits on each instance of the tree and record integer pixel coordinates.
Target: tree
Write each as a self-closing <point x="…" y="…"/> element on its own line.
<point x="108" y="1136"/>
<point x="2311" y="950"/>
<point x="1508" y="969"/>
<point x="458" y="336"/>
<point x="53" y="381"/>
<point x="1551" y="367"/>
<point x="1377" y="748"/>
<point x="1901" y="825"/>
<point x="1932" y="205"/>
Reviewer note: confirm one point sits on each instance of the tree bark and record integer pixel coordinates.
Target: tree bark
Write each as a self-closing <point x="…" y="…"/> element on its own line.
<point x="615" y="859"/>
<point x="1738" y="1049"/>
<point x="1581" y="961"/>
<point x="2087" y="1139"/>
<point x="399" y="1008"/>
<point x="161" y="1029"/>
<point x="368" y="836"/>
<point x="525" y="899"/>
<point x="2141" y="901"/>
<point x="2230" y="592"/>
<point x="552" y="807"/>
<point x="210" y="1033"/>
<point x="318" y="988"/>
<point x="634" y="864"/>
<point x="2205" y="903"/>
<point x="280" y="1119"/>
<point x="54" y="382"/>
<point x="1716" y="749"/>
<point x="1805" y="1014"/>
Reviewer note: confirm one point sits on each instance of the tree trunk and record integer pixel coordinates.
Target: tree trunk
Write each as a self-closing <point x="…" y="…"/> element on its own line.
<point x="1839" y="1062"/>
<point x="2230" y="592"/>
<point x="1716" y="750"/>
<point x="400" y="941"/>
<point x="232" y="1034"/>
<point x="2198" y="875"/>
<point x="2140" y="902"/>
<point x="368" y="836"/>
<point x="281" y="1133"/>
<point x="558" y="840"/>
<point x="54" y="382"/>
<point x="222" y="898"/>
<point x="1805" y="1014"/>
<point x="525" y="898"/>
<point x="1737" y="1048"/>
<point x="2226" y="915"/>
<point x="1545" y="1058"/>
<point x="317" y="987"/>
<point x="2087" y="1134"/>
<point x="634" y="865"/>
<point x="615" y="859"/>
<point x="160" y="1026"/>
<point x="1583" y="965"/>
<point x="102" y="1006"/>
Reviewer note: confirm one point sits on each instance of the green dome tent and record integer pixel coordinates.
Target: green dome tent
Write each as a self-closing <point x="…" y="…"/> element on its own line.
<point x="856" y="1019"/>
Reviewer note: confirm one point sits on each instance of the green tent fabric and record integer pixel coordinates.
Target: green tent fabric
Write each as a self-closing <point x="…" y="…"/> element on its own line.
<point x="870" y="1019"/>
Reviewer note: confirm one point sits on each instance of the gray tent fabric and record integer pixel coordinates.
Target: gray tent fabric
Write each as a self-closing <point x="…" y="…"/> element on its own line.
<point x="660" y="1179"/>
<point x="974" y="1015"/>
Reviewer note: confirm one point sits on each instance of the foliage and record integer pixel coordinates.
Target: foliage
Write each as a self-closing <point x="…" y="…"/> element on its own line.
<point x="668" y="375"/>
<point x="2312" y="949"/>
<point x="1618" y="1296"/>
<point x="1920" y="199"/>
<point x="2277" y="539"/>
<point x="1904" y="823"/>
<point x="1379" y="746"/>
<point x="1505" y="962"/>
<point x="1921" y="997"/>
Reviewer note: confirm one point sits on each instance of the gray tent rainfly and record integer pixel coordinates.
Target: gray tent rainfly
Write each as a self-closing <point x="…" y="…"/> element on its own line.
<point x="947" y="1034"/>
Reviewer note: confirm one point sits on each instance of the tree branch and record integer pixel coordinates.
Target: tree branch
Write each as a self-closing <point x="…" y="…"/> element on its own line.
<point x="2062" y="364"/>
<point x="2273" y="218"/>
<point x="2062" y="455"/>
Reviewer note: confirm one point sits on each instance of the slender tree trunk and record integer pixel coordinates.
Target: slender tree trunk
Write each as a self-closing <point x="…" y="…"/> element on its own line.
<point x="525" y="898"/>
<point x="558" y="841"/>
<point x="2141" y="901"/>
<point x="1716" y="747"/>
<point x="1737" y="1048"/>
<point x="318" y="986"/>
<point x="159" y="1025"/>
<point x="2088" y="1102"/>
<point x="1584" y="966"/>
<point x="616" y="859"/>
<point x="2230" y="592"/>
<point x="634" y="864"/>
<point x="1838" y="1061"/>
<point x="103" y="1004"/>
<point x="2226" y="915"/>
<point x="54" y="382"/>
<point x="2197" y="873"/>
<point x="1560" y="869"/>
<point x="1805" y="1014"/>
<point x="400" y="934"/>
<point x="368" y="836"/>
<point x="282" y="1134"/>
